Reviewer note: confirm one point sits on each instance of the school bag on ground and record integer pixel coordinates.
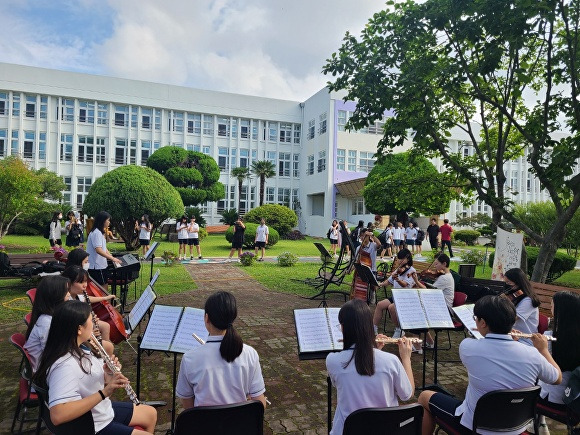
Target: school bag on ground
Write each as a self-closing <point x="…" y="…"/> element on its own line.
<point x="572" y="391"/>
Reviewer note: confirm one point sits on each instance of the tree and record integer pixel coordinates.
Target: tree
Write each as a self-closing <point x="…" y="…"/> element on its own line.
<point x="263" y="169"/>
<point x="193" y="174"/>
<point x="505" y="73"/>
<point x="405" y="182"/>
<point x="277" y="216"/>
<point x="128" y="193"/>
<point x="23" y="191"/>
<point x="241" y="173"/>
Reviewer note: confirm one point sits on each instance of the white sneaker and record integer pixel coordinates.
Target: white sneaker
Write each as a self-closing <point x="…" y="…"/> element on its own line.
<point x="398" y="333"/>
<point x="543" y="429"/>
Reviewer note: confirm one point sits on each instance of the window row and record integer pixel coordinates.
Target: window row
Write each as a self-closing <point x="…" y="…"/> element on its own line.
<point x="25" y="146"/>
<point x="343" y="116"/>
<point x="29" y="105"/>
<point x="83" y="185"/>
<point x="286" y="163"/>
<point x="347" y="160"/>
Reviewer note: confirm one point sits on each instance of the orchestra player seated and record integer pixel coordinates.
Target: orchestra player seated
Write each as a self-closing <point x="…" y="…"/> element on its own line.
<point x="79" y="382"/>
<point x="495" y="362"/>
<point x="364" y="376"/>
<point x="224" y="370"/>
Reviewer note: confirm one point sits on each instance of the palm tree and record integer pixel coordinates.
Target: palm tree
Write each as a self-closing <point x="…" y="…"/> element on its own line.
<point x="241" y="173"/>
<point x="263" y="169"/>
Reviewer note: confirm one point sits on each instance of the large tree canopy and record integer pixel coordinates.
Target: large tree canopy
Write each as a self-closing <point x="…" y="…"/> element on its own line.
<point x="504" y="72"/>
<point x="194" y="175"/>
<point x="407" y="183"/>
<point x="128" y="193"/>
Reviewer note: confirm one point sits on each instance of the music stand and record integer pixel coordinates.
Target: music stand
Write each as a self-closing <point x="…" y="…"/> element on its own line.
<point x="366" y="274"/>
<point x="150" y="255"/>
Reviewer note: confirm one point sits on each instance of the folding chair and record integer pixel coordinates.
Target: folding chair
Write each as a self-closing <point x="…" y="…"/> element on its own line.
<point x="558" y="412"/>
<point x="246" y="418"/>
<point x="543" y="323"/>
<point x="26" y="398"/>
<point x="459" y="299"/>
<point x="27" y="318"/>
<point x="31" y="295"/>
<point x="398" y="420"/>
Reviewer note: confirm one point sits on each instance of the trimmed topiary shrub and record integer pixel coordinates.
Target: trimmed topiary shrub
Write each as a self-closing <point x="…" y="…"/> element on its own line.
<point x="250" y="235"/>
<point x="562" y="263"/>
<point x="287" y="259"/>
<point x="279" y="217"/>
<point x="467" y="236"/>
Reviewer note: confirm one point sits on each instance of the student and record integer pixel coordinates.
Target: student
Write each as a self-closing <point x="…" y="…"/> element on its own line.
<point x="364" y="376"/>
<point x="52" y="291"/>
<point x="433" y="232"/>
<point x="78" y="257"/>
<point x="521" y="293"/>
<point x="97" y="249"/>
<point x="445" y="230"/>
<point x="398" y="237"/>
<point x="369" y="246"/>
<point x="73" y="230"/>
<point x="182" y="236"/>
<point x="388" y="241"/>
<point x="410" y="236"/>
<point x="55" y="230"/>
<point x="495" y="362"/>
<point x="224" y="370"/>
<point x="333" y="237"/>
<point x="77" y="382"/>
<point x="238" y="239"/>
<point x="261" y="240"/>
<point x="193" y="238"/>
<point x="144" y="228"/>
<point x="356" y="233"/>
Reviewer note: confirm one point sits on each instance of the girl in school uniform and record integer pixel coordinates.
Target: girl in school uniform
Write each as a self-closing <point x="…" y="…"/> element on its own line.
<point x="97" y="249"/>
<point x="521" y="293"/>
<point x="182" y="236"/>
<point x="55" y="230"/>
<point x="364" y="376"/>
<point x="145" y="233"/>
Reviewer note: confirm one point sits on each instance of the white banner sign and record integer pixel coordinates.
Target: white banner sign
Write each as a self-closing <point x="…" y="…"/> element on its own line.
<point x="508" y="253"/>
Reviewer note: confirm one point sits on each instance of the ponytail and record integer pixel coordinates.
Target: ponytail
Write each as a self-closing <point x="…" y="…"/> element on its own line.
<point x="232" y="344"/>
<point x="221" y="310"/>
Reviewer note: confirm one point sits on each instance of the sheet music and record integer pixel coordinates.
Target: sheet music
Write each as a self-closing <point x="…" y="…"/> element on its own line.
<point x="335" y="329"/>
<point x="151" y="251"/>
<point x="192" y="320"/>
<point x="409" y="309"/>
<point x="154" y="279"/>
<point x="312" y="330"/>
<point x="465" y="314"/>
<point x="141" y="306"/>
<point x="435" y="308"/>
<point x="161" y="327"/>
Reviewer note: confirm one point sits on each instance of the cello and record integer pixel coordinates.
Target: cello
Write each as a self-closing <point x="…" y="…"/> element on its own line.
<point x="360" y="289"/>
<point x="107" y="313"/>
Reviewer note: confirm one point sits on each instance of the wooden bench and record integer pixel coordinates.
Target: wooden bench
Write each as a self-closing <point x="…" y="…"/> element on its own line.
<point x="546" y="292"/>
<point x="19" y="260"/>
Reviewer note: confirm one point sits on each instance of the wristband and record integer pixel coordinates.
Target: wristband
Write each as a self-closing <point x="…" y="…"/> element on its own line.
<point x="103" y="397"/>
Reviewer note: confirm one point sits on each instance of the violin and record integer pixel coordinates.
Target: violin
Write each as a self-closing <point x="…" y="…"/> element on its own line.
<point x="515" y="295"/>
<point x="107" y="313"/>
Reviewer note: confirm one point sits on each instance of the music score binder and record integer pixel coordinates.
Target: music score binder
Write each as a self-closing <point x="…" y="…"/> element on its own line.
<point x="465" y="314"/>
<point x="170" y="329"/>
<point x="318" y="332"/>
<point x="422" y="309"/>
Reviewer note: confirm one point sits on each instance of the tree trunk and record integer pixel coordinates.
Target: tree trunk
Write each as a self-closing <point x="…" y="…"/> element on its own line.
<point x="4" y="230"/>
<point x="547" y="253"/>
<point x="127" y="233"/>
<point x="262" y="184"/>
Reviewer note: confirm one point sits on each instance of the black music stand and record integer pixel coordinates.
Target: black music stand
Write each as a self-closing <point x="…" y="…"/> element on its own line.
<point x="150" y="255"/>
<point x="366" y="274"/>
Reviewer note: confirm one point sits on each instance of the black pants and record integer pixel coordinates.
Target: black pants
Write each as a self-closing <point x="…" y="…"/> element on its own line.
<point x="433" y="242"/>
<point x="448" y="243"/>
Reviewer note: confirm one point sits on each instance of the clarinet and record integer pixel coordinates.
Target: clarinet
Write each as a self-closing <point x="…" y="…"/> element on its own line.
<point x="95" y="319"/>
<point x="112" y="366"/>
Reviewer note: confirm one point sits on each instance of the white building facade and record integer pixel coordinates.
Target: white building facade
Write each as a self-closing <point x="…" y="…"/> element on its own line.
<point x="82" y="126"/>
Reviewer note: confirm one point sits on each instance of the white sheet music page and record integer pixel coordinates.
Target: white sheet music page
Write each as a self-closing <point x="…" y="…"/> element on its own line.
<point x="192" y="320"/>
<point x="436" y="308"/>
<point x="465" y="314"/>
<point x="161" y="327"/>
<point x="141" y="306"/>
<point x="312" y="330"/>
<point x="335" y="329"/>
<point x="409" y="309"/>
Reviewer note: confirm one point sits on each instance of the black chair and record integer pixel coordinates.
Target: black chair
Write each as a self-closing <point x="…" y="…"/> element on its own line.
<point x="246" y="418"/>
<point x="502" y="410"/>
<point x="398" y="420"/>
<point x="558" y="412"/>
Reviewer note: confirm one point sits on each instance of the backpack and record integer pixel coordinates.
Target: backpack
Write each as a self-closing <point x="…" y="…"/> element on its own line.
<point x="420" y="235"/>
<point x="572" y="391"/>
<point x="5" y="268"/>
<point x="383" y="236"/>
<point x="354" y="235"/>
<point x="328" y="234"/>
<point x="46" y="231"/>
<point x="75" y="232"/>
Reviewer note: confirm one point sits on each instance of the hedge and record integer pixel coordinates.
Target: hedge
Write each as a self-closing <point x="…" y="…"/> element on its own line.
<point x="250" y="235"/>
<point x="279" y="217"/>
<point x="467" y="236"/>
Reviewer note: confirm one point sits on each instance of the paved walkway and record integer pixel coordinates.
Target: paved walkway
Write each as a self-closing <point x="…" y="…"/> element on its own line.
<point x="297" y="389"/>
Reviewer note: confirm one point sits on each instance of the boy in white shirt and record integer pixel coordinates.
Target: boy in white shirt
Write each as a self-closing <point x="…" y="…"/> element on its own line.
<point x="261" y="239"/>
<point x="193" y="238"/>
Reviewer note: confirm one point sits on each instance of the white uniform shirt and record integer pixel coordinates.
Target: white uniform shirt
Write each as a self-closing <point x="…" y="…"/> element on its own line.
<point x="447" y="284"/>
<point x="67" y="382"/>
<point x="181" y="230"/>
<point x="55" y="230"/>
<point x="355" y="391"/>
<point x="410" y="233"/>
<point x="193" y="231"/>
<point x="333" y="233"/>
<point x="145" y="231"/>
<point x="498" y="362"/>
<point x="398" y="233"/>
<point x="211" y="380"/>
<point x="37" y="339"/>
<point x="261" y="233"/>
<point x="371" y="249"/>
<point x="527" y="319"/>
<point x="95" y="240"/>
<point x="407" y="277"/>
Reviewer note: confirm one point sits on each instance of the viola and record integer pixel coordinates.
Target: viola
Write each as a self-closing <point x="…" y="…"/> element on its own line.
<point x="513" y="295"/>
<point x="106" y="312"/>
<point x="431" y="275"/>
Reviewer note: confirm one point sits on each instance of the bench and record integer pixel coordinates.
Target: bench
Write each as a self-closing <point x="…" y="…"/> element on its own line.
<point x="546" y="292"/>
<point x="19" y="260"/>
<point x="25" y="266"/>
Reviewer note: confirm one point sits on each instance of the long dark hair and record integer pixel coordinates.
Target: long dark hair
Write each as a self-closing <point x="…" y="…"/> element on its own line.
<point x="405" y="254"/>
<point x="76" y="257"/>
<point x="146" y="220"/>
<point x="565" y="350"/>
<point x="62" y="337"/>
<point x="100" y="220"/>
<point x="75" y="274"/>
<point x="50" y="294"/>
<point x="221" y="310"/>
<point x="55" y="216"/>
<point x="357" y="329"/>
<point x="519" y="278"/>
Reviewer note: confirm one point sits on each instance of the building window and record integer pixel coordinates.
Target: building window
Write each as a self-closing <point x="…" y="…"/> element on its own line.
<point x="245" y="128"/>
<point x="120" y="151"/>
<point x="176" y="122"/>
<point x="157" y="119"/>
<point x="194" y="123"/>
<point x="86" y="149"/>
<point x="322" y="124"/>
<point x="121" y="116"/>
<point x="15" y="104"/>
<point x="529" y="182"/>
<point x="146" y="119"/>
<point x="244" y="157"/>
<point x="377" y="127"/>
<point x="295" y="165"/>
<point x="295" y="202"/>
<point x="43" y="107"/>
<point x="66" y="193"/>
<point x="272" y="131"/>
<point x="102" y="114"/>
<point x="223" y="160"/>
<point x="340" y="159"/>
<point x="67" y="109"/>
<point x="270" y="192"/>
<point x="30" y="106"/>
<point x="230" y="202"/>
<point x="86" y="112"/>
<point x="66" y="147"/>
<point x="514" y="180"/>
<point x="83" y="186"/>
<point x="311" y="129"/>
<point x="255" y="129"/>
<point x="234" y="123"/>
<point x="3" y="103"/>
<point x="42" y="145"/>
<point x="284" y="196"/>
<point x="208" y="125"/>
<point x="28" y="150"/>
<point x="297" y="130"/>
<point x="284" y="164"/>
<point x="358" y="207"/>
<point x="321" y="161"/>
<point x="100" y="154"/>
<point x="223" y="127"/>
<point x="310" y="167"/>
<point x="133" y="152"/>
<point x="286" y="133"/>
<point x="3" y="133"/>
<point x="271" y="157"/>
<point x="367" y="161"/>
<point x="352" y="160"/>
<point x="341" y="120"/>
<point x="134" y="117"/>
<point x="205" y="150"/>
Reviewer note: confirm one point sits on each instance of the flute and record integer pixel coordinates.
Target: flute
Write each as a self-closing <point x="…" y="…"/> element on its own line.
<point x="525" y="335"/>
<point x="113" y="367"/>
<point x="390" y="340"/>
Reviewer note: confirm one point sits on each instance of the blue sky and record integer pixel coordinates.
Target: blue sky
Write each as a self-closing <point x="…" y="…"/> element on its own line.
<point x="270" y="48"/>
